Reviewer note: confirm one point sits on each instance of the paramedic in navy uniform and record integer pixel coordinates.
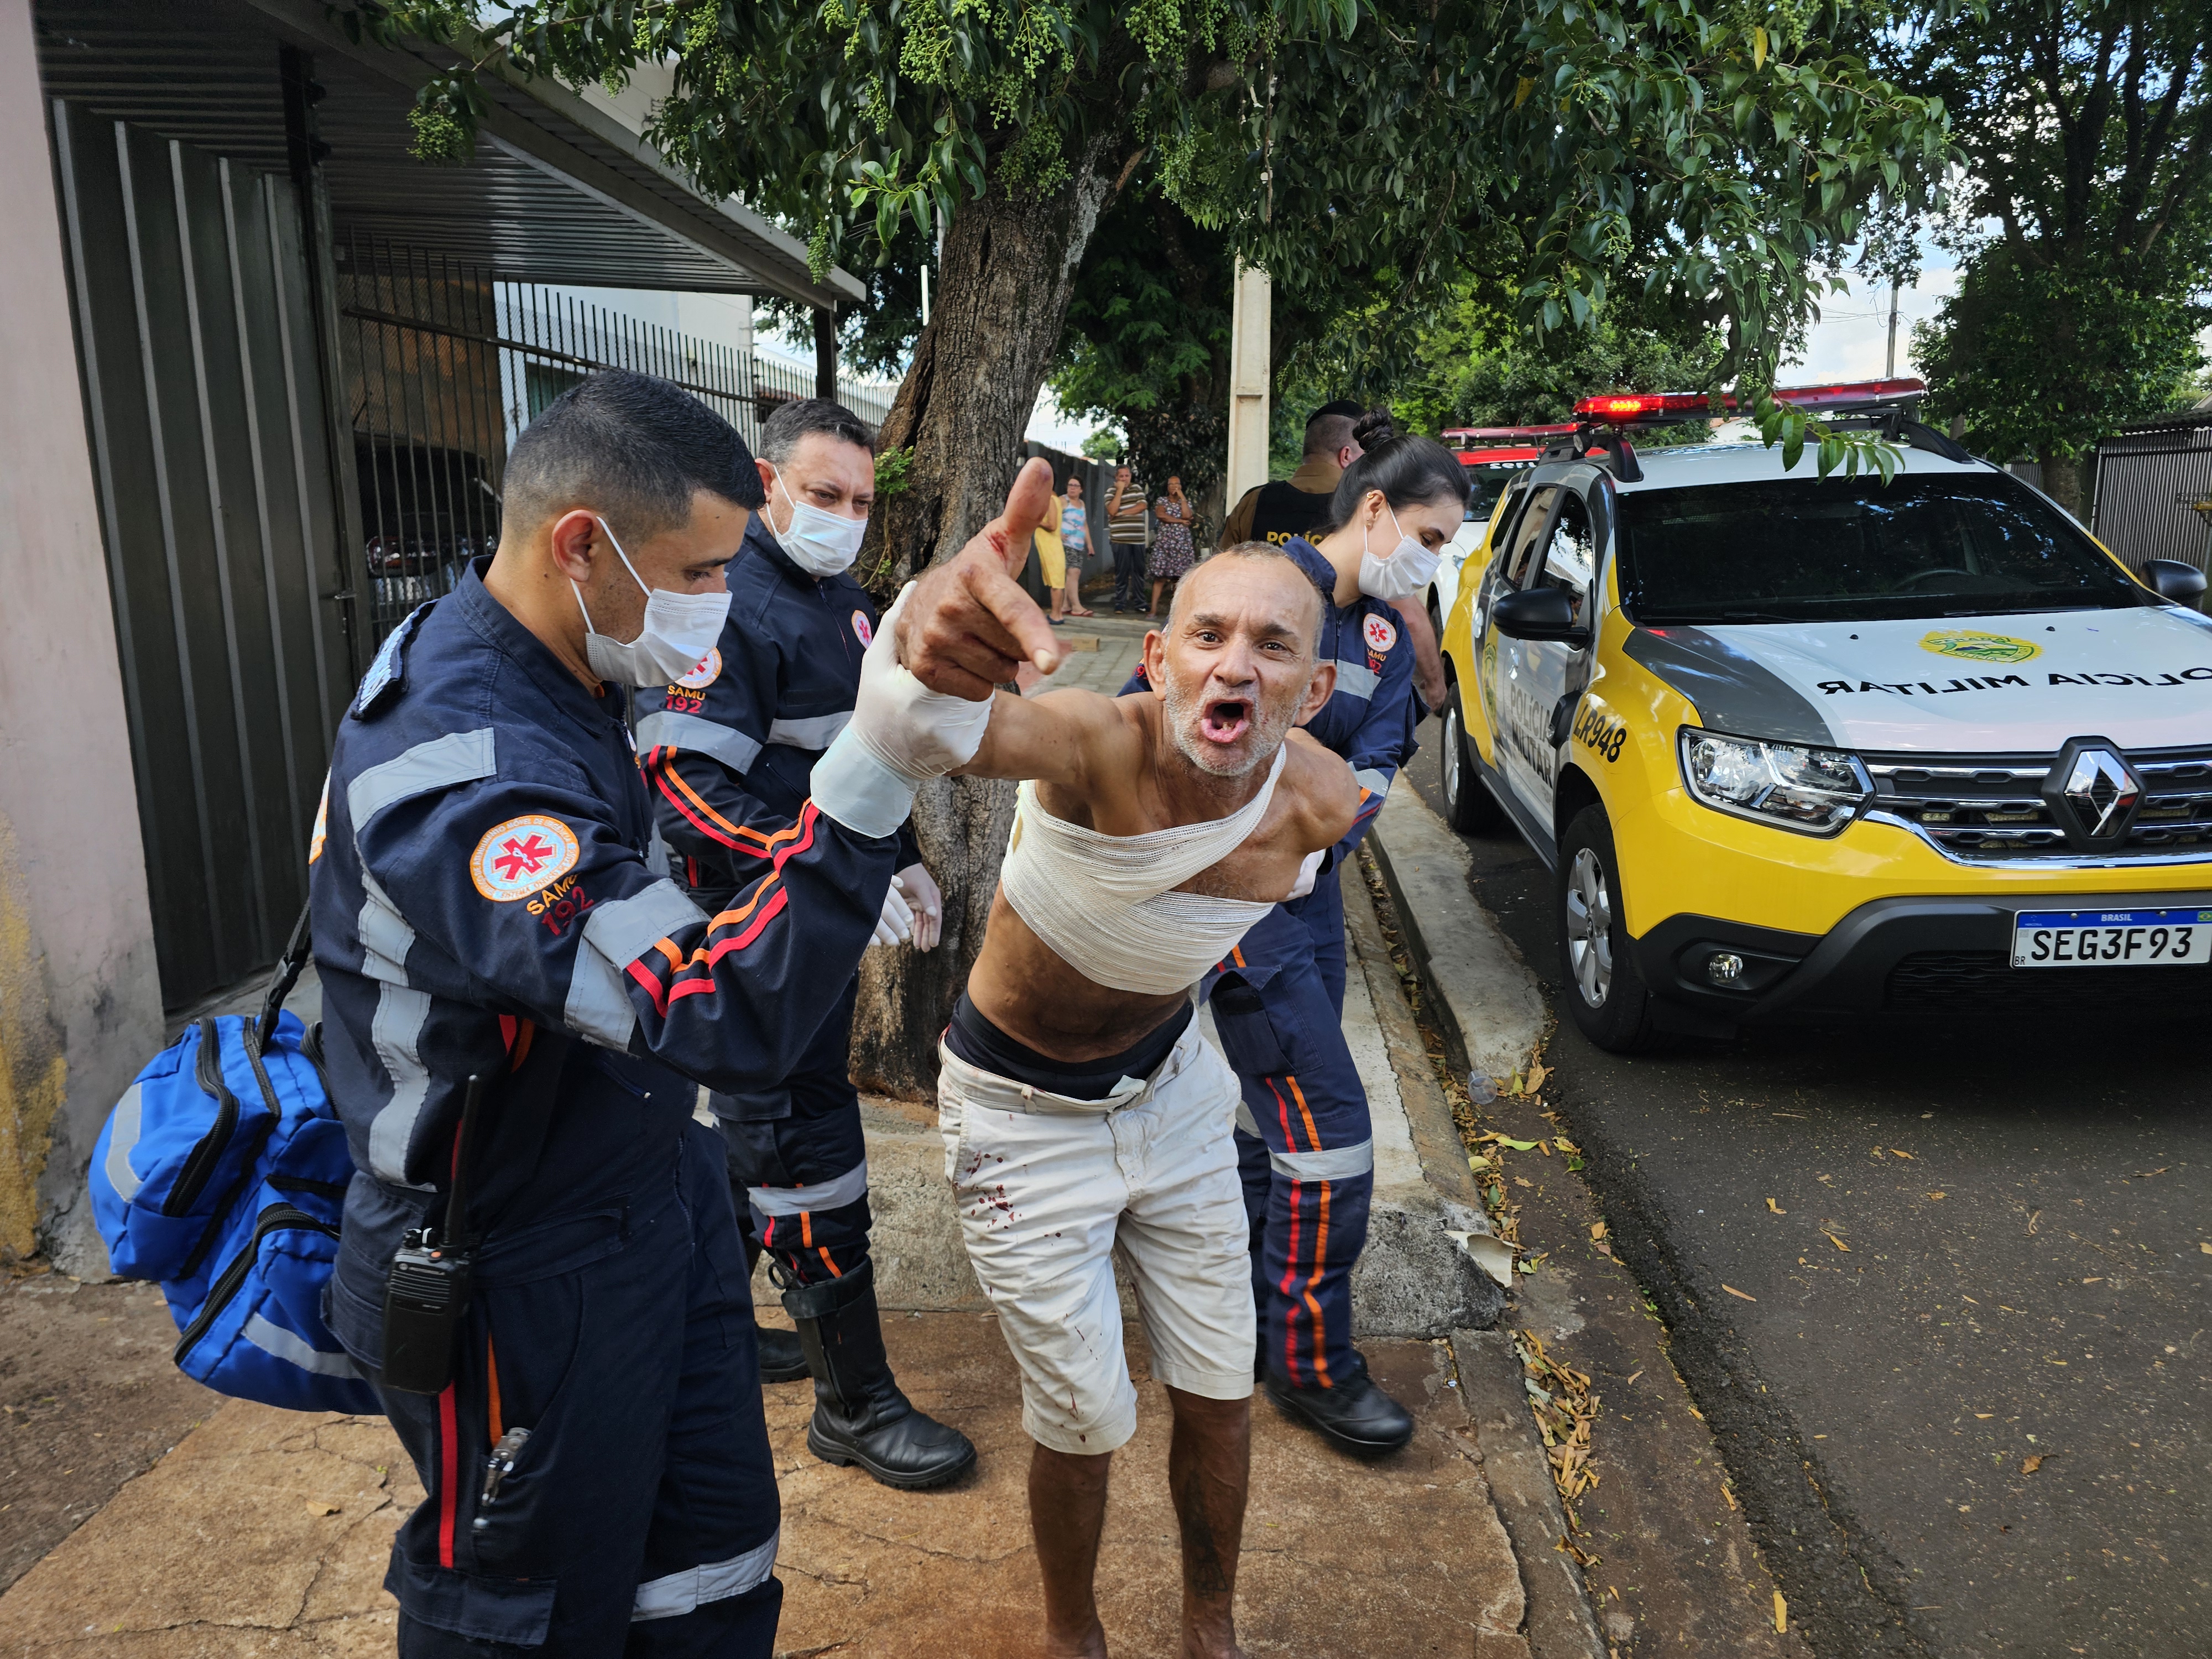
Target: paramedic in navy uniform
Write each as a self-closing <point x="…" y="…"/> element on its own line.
<point x="727" y="750"/>
<point x="484" y="904"/>
<point x="1305" y="1143"/>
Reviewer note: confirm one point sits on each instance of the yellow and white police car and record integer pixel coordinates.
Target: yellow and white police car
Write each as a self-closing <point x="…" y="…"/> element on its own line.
<point x="1821" y="746"/>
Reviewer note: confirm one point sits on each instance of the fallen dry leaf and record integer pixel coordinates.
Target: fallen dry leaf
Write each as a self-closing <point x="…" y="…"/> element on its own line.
<point x="1897" y="1153"/>
<point x="1837" y="1243"/>
<point x="1935" y="1194"/>
<point x="1777" y="1208"/>
<point x="1537" y="1073"/>
<point x="1746" y="1295"/>
<point x="2207" y="1249"/>
<point x="1522" y="1181"/>
<point x="314" y="1508"/>
<point x="2098" y="1279"/>
<point x="1781" y="1614"/>
<point x="1729" y="1496"/>
<point x="1597" y="1230"/>
<point x="1633" y="1375"/>
<point x="2030" y="1465"/>
<point x="1983" y="1417"/>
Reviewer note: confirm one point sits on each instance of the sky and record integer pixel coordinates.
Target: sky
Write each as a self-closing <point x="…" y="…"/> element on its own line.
<point x="1852" y="340"/>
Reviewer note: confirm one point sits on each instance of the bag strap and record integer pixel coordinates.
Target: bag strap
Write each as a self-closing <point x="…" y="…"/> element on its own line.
<point x="297" y="951"/>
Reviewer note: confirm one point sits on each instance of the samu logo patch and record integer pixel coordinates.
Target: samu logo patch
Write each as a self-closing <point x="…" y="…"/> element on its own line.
<point x="523" y="856"/>
<point x="707" y="671"/>
<point x="862" y="630"/>
<point x="1379" y="633"/>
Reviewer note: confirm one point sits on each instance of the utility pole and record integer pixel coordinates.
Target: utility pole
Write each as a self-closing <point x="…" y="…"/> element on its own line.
<point x="1891" y="372"/>
<point x="1248" y="355"/>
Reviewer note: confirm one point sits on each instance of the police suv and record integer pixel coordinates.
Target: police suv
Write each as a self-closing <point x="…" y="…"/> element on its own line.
<point x="1831" y="746"/>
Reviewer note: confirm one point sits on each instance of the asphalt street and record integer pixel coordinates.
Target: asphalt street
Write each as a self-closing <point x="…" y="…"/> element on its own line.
<point x="1943" y="1294"/>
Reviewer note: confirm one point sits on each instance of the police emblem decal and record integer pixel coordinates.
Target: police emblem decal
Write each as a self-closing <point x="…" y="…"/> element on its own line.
<point x="865" y="633"/>
<point x="705" y="673"/>
<point x="522" y="856"/>
<point x="1976" y="647"/>
<point x="1380" y="634"/>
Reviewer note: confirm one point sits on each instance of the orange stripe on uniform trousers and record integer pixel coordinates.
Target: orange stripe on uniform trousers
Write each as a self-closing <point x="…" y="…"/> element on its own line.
<point x="1320" y="1253"/>
<point x="1313" y="1135"/>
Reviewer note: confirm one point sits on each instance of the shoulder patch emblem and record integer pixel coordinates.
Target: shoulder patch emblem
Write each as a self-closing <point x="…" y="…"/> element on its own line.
<point x="862" y="628"/>
<point x="388" y="668"/>
<point x="322" y="829"/>
<point x="705" y="673"/>
<point x="522" y="856"/>
<point x="1380" y="634"/>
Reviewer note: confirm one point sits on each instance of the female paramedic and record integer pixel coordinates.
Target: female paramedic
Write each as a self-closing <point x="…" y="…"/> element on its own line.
<point x="1303" y="1140"/>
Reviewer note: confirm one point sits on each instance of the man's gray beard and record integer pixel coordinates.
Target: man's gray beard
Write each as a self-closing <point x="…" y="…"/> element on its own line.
<point x="1267" y="732"/>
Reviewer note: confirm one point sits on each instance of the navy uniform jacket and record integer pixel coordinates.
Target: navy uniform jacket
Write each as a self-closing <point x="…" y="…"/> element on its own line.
<point x="1369" y="719"/>
<point x="481" y="890"/>
<point x="729" y="751"/>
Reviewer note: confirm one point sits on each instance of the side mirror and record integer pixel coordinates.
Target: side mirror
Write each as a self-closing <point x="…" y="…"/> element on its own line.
<point x="2173" y="579"/>
<point x="1537" y="614"/>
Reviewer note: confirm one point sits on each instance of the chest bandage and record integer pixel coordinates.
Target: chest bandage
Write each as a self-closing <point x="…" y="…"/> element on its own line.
<point x="1104" y="903"/>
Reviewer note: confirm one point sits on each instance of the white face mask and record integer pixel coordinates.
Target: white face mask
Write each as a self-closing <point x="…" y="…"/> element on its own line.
<point x="821" y="542"/>
<point x="1403" y="573"/>
<point x="680" y="630"/>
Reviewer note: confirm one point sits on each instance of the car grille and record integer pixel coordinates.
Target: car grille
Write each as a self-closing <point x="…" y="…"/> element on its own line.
<point x="1985" y="982"/>
<point x="1991" y="807"/>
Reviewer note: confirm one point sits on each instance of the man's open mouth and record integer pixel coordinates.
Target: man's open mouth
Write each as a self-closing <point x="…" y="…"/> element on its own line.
<point x="1225" y="720"/>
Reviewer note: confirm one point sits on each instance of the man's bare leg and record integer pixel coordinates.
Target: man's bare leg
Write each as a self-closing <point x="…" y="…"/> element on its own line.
<point x="1209" y="1471"/>
<point x="1067" y="1512"/>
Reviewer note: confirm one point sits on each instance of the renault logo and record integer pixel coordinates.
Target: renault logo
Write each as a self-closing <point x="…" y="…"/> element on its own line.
<point x="2093" y="793"/>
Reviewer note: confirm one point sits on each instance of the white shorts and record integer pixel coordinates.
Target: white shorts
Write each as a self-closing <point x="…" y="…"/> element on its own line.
<point x="1051" y="1188"/>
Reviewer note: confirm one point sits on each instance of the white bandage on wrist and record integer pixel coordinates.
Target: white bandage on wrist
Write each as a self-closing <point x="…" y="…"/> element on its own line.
<point x="853" y="784"/>
<point x="914" y="731"/>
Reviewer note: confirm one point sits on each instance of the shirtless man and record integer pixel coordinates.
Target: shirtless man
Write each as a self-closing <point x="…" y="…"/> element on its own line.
<point x="1082" y="1112"/>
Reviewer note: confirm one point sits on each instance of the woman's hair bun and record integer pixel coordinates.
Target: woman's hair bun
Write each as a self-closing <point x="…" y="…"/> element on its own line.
<point x="1374" y="428"/>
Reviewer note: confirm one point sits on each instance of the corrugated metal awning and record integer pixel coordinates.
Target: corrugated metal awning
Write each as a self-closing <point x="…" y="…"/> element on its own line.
<point x="557" y="192"/>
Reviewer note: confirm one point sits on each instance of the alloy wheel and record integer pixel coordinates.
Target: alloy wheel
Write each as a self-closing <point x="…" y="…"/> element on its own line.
<point x="1590" y="927"/>
<point x="1451" y="753"/>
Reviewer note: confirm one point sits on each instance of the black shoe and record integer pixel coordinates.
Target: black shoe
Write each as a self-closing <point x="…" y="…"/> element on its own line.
<point x="781" y="1358"/>
<point x="860" y="1415"/>
<point x="1355" y="1414"/>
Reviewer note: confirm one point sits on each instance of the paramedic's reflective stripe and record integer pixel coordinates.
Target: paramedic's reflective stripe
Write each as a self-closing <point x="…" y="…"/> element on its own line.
<point x="395" y="1031"/>
<point x="615" y="936"/>
<point x="1331" y="1164"/>
<point x="818" y="732"/>
<point x="275" y="1340"/>
<point x="1372" y="781"/>
<point x="680" y="1593"/>
<point x="1356" y="679"/>
<point x="457" y="757"/>
<point x="122" y="1136"/>
<point x="664" y="729"/>
<point x="847" y="1188"/>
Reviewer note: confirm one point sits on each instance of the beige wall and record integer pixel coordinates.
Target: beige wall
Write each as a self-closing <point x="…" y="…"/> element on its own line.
<point x="80" y="1005"/>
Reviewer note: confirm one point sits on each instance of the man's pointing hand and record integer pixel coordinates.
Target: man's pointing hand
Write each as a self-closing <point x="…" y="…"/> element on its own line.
<point x="970" y="626"/>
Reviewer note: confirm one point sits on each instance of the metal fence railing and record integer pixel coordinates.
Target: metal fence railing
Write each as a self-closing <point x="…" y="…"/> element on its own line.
<point x="444" y="366"/>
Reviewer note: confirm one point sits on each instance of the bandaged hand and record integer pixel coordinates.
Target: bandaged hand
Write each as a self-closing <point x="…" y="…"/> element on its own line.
<point x="919" y="889"/>
<point x="896" y="924"/>
<point x="901" y="734"/>
<point x="1309" y="869"/>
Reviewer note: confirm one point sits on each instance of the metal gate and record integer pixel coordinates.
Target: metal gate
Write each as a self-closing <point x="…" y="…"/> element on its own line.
<point x="2154" y="492"/>
<point x="203" y="391"/>
<point x="444" y="365"/>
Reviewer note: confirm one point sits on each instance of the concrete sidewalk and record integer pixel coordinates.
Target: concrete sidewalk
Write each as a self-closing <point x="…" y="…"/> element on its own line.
<point x="266" y="1533"/>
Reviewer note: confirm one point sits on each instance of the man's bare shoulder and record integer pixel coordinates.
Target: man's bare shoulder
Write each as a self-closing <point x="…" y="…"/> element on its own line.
<point x="1323" y="786"/>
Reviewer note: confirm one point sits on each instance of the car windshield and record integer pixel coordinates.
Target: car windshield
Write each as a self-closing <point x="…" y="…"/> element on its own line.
<point x="1486" y="483"/>
<point x="1845" y="550"/>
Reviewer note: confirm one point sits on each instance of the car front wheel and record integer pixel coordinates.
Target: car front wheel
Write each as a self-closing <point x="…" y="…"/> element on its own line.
<point x="1603" y="989"/>
<point x="1468" y="807"/>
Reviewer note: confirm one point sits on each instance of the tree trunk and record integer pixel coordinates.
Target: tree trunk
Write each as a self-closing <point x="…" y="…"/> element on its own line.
<point x="1008" y="268"/>
<point x="2061" y="480"/>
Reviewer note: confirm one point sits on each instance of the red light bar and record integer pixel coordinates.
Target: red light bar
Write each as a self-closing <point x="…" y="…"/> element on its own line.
<point x="1495" y="457"/>
<point x="1467" y="433"/>
<point x="1857" y="394"/>
<point x="1623" y="407"/>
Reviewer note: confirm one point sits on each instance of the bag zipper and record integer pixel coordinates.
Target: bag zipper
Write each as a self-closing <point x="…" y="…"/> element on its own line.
<point x="201" y="1165"/>
<point x="276" y="1218"/>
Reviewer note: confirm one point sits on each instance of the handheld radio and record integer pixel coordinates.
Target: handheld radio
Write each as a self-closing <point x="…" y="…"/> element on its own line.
<point x="426" y="1294"/>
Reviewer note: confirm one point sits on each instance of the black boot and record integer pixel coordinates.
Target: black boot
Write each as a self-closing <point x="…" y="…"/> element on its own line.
<point x="782" y="1358"/>
<point x="1355" y="1414"/>
<point x="860" y="1415"/>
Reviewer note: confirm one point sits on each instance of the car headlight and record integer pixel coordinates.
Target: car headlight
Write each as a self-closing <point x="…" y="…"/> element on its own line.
<point x="1815" y="792"/>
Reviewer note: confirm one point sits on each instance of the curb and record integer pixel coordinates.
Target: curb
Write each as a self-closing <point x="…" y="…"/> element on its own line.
<point x="1489" y="1012"/>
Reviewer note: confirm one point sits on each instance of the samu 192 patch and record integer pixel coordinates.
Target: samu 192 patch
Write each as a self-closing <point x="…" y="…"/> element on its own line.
<point x="705" y="673"/>
<point x="1379" y="633"/>
<point x="863" y="630"/>
<point x="523" y="856"/>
